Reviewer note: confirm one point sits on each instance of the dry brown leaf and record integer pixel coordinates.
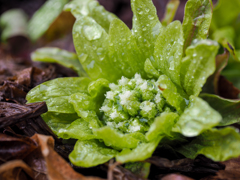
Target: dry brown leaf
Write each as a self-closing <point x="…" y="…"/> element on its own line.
<point x="56" y="167"/>
<point x="15" y="170"/>
<point x="15" y="147"/>
<point x="231" y="171"/>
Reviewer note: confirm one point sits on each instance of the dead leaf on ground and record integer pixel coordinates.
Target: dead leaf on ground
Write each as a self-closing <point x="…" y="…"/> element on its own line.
<point x="231" y="171"/>
<point x="199" y="167"/>
<point x="15" y="147"/>
<point x="16" y="170"/>
<point x="37" y="153"/>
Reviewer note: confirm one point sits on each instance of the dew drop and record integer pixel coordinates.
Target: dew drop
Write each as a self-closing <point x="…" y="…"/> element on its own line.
<point x="171" y="65"/>
<point x="150" y="17"/>
<point x="92" y="32"/>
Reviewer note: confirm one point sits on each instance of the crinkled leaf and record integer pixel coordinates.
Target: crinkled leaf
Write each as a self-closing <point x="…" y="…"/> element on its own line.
<point x="218" y="145"/>
<point x="13" y="23"/>
<point x="56" y="93"/>
<point x="56" y="55"/>
<point x="112" y="137"/>
<point x="196" y="118"/>
<point x="90" y="153"/>
<point x="58" y="121"/>
<point x="92" y="9"/>
<point x="59" y="104"/>
<point x="141" y="169"/>
<point x="78" y="129"/>
<point x="86" y="108"/>
<point x="168" y="51"/>
<point x="124" y="51"/>
<point x="146" y="25"/>
<point x="175" y="100"/>
<point x="170" y="12"/>
<point x="198" y="65"/>
<point x="162" y="125"/>
<point x="140" y="153"/>
<point x="197" y="19"/>
<point x="58" y="88"/>
<point x="229" y="109"/>
<point x="91" y="43"/>
<point x="97" y="89"/>
<point x="44" y="17"/>
<point x="150" y="70"/>
<point x="165" y="83"/>
<point x="225" y="13"/>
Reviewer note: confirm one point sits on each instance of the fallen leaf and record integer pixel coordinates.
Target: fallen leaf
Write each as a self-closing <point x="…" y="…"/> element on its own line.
<point x="15" y="170"/>
<point x="231" y="171"/>
<point x="15" y="147"/>
<point x="199" y="167"/>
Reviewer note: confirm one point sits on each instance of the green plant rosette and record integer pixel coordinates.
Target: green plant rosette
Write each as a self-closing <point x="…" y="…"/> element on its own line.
<point x="138" y="86"/>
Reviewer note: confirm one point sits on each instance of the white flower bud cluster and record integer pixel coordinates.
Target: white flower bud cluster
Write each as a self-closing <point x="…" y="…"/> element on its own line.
<point x="132" y="104"/>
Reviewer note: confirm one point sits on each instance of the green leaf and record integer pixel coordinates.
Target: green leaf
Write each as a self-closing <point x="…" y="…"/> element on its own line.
<point x="218" y="145"/>
<point x="165" y="83"/>
<point x="225" y="13"/>
<point x="59" y="104"/>
<point x="92" y="9"/>
<point x="146" y="25"/>
<point x="78" y="129"/>
<point x="91" y="43"/>
<point x="97" y="90"/>
<point x="124" y="51"/>
<point x="56" y="93"/>
<point x="57" y="121"/>
<point x="112" y="137"/>
<point x="229" y="109"/>
<point x="90" y="153"/>
<point x="226" y="37"/>
<point x="141" y="169"/>
<point x="58" y="88"/>
<point x="198" y="65"/>
<point x="170" y="12"/>
<point x="196" y="118"/>
<point x="162" y="125"/>
<point x="140" y="153"/>
<point x="63" y="57"/>
<point x="197" y="19"/>
<point x="150" y="69"/>
<point x="44" y="17"/>
<point x="232" y="73"/>
<point x="168" y="51"/>
<point x="13" y="23"/>
<point x="86" y="108"/>
<point x="226" y="33"/>
<point x="175" y="100"/>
